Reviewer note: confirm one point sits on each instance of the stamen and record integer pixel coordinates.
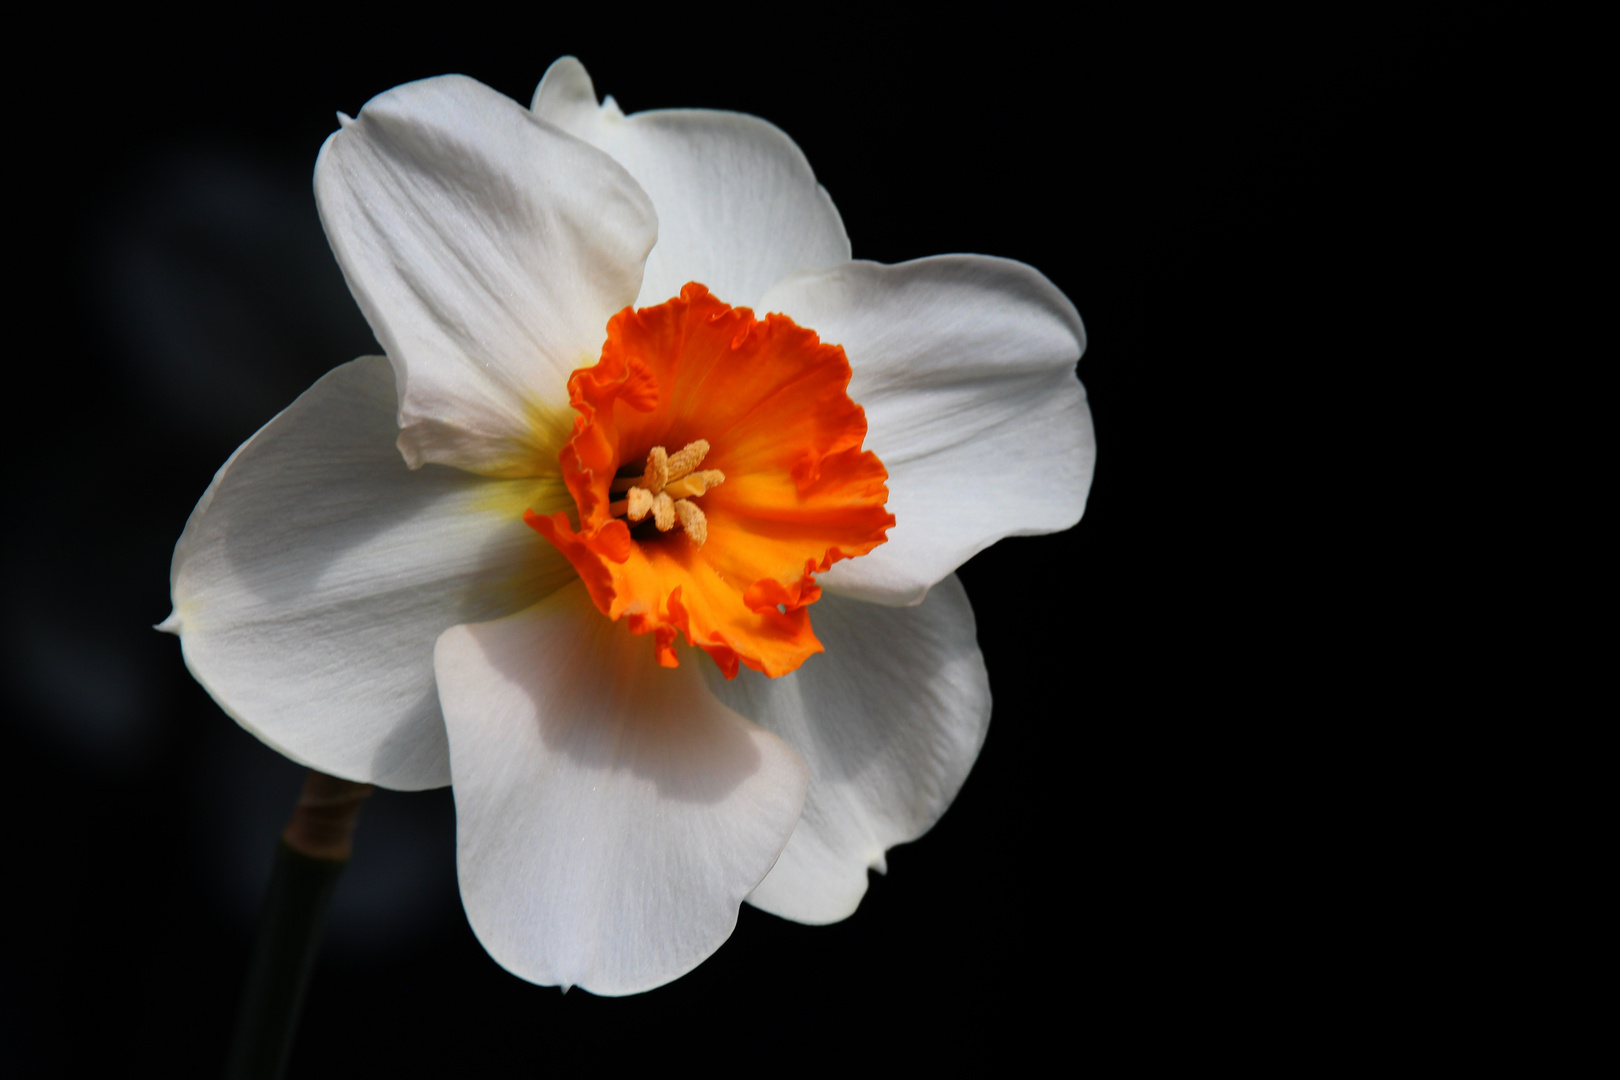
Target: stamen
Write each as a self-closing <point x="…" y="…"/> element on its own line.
<point x="639" y="504"/>
<point x="693" y="521"/>
<point x="695" y="483"/>
<point x="664" y="469"/>
<point x="664" y="489"/>
<point x="657" y="474"/>
<point x="663" y="510"/>
<point x="686" y="459"/>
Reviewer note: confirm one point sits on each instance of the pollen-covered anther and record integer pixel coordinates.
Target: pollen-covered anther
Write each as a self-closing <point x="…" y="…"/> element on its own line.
<point x="686" y="459"/>
<point x="639" y="504"/>
<point x="693" y="521"/>
<point x="657" y="473"/>
<point x="664" y="468"/>
<point x="664" y="488"/>
<point x="663" y="511"/>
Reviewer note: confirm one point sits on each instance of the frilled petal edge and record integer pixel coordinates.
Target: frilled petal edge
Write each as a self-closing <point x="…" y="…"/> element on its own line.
<point x="889" y="719"/>
<point x="611" y="814"/>
<point x="317" y="571"/>
<point x="488" y="250"/>
<point x="965" y="365"/>
<point x="738" y="205"/>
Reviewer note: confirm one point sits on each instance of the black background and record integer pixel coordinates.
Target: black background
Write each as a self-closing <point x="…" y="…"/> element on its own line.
<point x="1159" y="853"/>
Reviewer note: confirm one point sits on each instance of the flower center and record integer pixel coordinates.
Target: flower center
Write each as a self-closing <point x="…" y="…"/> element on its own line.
<point x="789" y="490"/>
<point x="666" y="489"/>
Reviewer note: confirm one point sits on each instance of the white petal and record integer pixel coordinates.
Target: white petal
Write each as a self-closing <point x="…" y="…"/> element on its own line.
<point x="611" y="815"/>
<point x="890" y="718"/>
<point x="738" y="207"/>
<point x="317" y="571"/>
<point x="965" y="366"/>
<point x="488" y="250"/>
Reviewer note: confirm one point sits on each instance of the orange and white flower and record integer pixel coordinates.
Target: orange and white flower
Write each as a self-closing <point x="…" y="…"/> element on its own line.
<point x="497" y="558"/>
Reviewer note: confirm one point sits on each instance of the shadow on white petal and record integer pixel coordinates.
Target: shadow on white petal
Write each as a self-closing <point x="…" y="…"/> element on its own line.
<point x="738" y="205"/>
<point x="318" y="570"/>
<point x="889" y="719"/>
<point x="611" y="814"/>
<point x="607" y="705"/>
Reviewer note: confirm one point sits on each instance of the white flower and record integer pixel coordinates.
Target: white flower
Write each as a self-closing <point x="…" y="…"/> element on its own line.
<point x="388" y="615"/>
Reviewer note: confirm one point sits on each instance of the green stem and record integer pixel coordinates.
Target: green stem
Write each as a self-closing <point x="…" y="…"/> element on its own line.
<point x="310" y="857"/>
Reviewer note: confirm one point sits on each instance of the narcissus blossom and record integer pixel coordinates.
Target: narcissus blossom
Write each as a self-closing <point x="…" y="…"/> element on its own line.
<point x="642" y="535"/>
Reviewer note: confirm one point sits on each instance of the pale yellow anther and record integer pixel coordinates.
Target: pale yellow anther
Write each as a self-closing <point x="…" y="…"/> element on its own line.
<point x="664" y="488"/>
<point x="663" y="469"/>
<point x="663" y="509"/>
<point x="640" y="503"/>
<point x="686" y="459"/>
<point x="695" y="483"/>
<point x="693" y="521"/>
<point x="657" y="474"/>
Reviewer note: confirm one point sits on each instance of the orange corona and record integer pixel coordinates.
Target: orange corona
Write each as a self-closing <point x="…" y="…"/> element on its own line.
<point x="725" y="554"/>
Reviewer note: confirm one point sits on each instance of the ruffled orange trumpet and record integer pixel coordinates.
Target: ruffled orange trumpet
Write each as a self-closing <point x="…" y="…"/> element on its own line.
<point x="726" y="554"/>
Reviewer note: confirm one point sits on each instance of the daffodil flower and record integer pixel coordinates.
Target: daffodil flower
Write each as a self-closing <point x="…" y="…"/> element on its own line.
<point x="663" y="588"/>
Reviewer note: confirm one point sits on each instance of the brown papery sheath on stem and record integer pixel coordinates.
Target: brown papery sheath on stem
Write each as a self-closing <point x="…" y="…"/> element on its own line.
<point x="322" y="825"/>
